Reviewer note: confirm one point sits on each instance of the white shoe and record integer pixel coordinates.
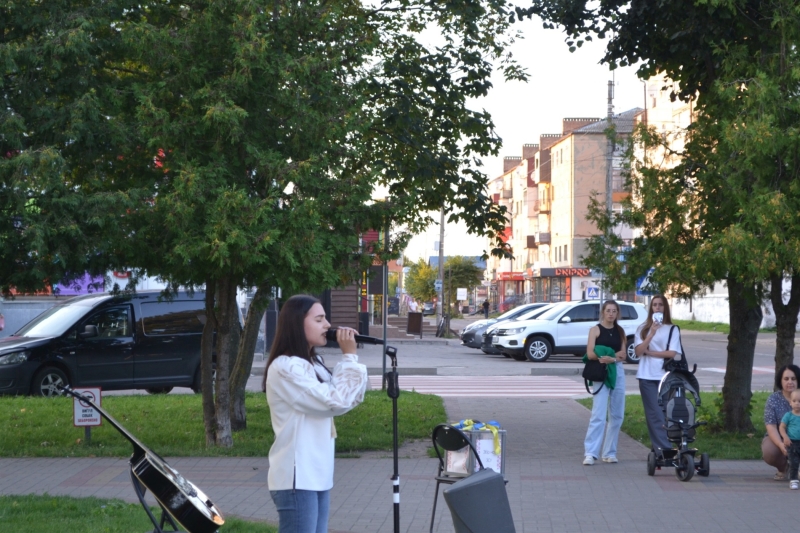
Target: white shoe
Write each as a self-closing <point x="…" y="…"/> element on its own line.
<point x="610" y="459"/>
<point x="588" y="460"/>
<point x="794" y="484"/>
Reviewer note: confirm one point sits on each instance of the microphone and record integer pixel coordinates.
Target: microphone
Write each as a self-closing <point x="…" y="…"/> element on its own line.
<point x="361" y="339"/>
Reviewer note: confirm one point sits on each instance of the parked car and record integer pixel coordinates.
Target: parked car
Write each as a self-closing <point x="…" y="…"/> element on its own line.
<point x="428" y="308"/>
<point x="138" y="341"/>
<point x="564" y="328"/>
<point x="472" y="335"/>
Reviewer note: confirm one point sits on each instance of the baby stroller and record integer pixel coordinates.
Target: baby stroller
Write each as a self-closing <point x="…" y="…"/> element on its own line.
<point x="679" y="397"/>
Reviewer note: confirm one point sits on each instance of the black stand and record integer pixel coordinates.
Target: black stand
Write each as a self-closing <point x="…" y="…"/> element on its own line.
<point x="393" y="390"/>
<point x="165" y="517"/>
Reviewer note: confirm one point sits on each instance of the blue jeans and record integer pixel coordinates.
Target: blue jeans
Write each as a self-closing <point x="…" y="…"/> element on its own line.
<point x="302" y="511"/>
<point x="609" y="402"/>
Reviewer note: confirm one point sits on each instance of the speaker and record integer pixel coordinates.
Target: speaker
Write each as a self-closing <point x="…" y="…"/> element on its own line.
<point x="479" y="504"/>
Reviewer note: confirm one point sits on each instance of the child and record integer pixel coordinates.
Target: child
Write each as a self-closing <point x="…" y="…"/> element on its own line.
<point x="790" y="432"/>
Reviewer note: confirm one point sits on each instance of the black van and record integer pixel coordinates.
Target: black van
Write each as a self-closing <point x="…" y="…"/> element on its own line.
<point x="136" y="341"/>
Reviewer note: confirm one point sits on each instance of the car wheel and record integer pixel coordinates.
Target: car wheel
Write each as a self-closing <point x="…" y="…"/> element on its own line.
<point x="631" y="356"/>
<point x="47" y="381"/>
<point x="538" y="349"/>
<point x="159" y="390"/>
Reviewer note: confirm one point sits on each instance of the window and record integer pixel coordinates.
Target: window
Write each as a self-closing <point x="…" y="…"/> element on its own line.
<point x="584" y="313"/>
<point x="566" y="255"/>
<point x="173" y="318"/>
<point x="113" y="322"/>
<point x="628" y="312"/>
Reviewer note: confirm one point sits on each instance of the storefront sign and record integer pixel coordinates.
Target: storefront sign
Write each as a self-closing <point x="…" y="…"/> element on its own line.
<point x="565" y="272"/>
<point x="511" y="276"/>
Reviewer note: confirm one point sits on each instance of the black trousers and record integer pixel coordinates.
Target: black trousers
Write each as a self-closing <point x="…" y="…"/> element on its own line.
<point x="794" y="459"/>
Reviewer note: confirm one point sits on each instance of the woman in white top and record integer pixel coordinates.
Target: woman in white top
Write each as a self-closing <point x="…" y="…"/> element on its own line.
<point x="303" y="397"/>
<point x="651" y="346"/>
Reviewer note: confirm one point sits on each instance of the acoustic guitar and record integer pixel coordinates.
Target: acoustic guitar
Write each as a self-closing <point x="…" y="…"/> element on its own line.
<point x="184" y="502"/>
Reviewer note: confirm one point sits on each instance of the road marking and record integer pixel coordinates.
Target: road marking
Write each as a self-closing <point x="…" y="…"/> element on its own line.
<point x="756" y="370"/>
<point x="490" y="386"/>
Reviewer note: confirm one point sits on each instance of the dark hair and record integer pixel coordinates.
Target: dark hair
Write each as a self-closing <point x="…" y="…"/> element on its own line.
<point x="290" y="335"/>
<point x="649" y="322"/>
<point x="616" y="324"/>
<point x="779" y="375"/>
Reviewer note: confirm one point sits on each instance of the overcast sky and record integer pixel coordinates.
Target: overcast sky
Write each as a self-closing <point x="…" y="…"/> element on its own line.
<point x="561" y="84"/>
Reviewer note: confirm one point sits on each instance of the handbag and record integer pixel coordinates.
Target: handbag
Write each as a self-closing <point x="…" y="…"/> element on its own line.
<point x="671" y="365"/>
<point x="594" y="371"/>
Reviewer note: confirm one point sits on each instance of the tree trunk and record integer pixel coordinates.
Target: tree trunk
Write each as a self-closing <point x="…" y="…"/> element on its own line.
<point x="206" y="363"/>
<point x="227" y="326"/>
<point x="745" y="319"/>
<point x="244" y="358"/>
<point x="785" y="318"/>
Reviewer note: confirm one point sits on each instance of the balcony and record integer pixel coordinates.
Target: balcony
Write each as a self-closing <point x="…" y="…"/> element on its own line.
<point x="544" y="207"/>
<point x="543" y="238"/>
<point x="531" y="242"/>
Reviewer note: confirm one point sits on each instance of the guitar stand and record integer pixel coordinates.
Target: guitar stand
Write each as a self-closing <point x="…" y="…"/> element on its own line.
<point x="165" y="516"/>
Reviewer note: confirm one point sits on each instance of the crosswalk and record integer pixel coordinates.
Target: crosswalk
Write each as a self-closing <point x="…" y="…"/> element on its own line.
<point x="490" y="386"/>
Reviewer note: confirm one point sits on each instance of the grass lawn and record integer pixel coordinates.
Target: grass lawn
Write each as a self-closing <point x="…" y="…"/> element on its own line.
<point x="172" y="426"/>
<point x="46" y="514"/>
<point x="717" y="445"/>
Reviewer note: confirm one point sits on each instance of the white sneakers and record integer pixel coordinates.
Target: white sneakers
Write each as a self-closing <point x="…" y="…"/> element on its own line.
<point x="794" y="484"/>
<point x="588" y="460"/>
<point x="611" y="459"/>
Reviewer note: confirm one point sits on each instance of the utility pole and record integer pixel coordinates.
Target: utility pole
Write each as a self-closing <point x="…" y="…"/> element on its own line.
<point x="439" y="303"/>
<point x="609" y="166"/>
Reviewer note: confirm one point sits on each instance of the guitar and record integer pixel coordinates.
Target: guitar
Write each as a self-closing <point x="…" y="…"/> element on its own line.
<point x="184" y="502"/>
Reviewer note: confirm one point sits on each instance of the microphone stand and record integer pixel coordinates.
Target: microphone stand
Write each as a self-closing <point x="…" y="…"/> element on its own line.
<point x="393" y="390"/>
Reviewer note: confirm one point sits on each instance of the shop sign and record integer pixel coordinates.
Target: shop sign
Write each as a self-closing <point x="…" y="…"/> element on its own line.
<point x="566" y="272"/>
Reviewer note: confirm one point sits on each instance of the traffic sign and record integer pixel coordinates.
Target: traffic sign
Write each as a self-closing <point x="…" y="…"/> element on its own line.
<point x="84" y="414"/>
<point x="592" y="293"/>
<point x="644" y="285"/>
<point x="437" y="285"/>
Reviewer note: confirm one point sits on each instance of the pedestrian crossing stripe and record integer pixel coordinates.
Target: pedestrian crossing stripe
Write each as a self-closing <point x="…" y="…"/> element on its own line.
<point x="489" y="386"/>
<point x="756" y="370"/>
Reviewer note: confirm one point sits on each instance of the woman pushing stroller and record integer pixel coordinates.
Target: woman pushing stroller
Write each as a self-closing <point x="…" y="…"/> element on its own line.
<point x="656" y="340"/>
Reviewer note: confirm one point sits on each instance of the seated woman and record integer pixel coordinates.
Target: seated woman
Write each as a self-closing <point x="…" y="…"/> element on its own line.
<point x="772" y="448"/>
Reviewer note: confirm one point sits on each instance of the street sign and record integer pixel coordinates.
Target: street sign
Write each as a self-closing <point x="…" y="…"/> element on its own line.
<point x="644" y="286"/>
<point x="83" y="413"/>
<point x="437" y="285"/>
<point x="461" y="293"/>
<point x="592" y="293"/>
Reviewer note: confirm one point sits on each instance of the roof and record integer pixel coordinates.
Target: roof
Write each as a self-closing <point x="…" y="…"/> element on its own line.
<point x="623" y="121"/>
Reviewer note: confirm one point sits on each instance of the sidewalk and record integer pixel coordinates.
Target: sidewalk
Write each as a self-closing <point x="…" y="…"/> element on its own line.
<point x="549" y="490"/>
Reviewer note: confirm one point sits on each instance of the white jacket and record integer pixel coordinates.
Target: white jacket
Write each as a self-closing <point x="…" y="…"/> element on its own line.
<point x="302" y="410"/>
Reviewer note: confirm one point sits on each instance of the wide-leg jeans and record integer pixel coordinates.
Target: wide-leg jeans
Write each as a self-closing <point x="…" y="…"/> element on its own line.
<point x="608" y="404"/>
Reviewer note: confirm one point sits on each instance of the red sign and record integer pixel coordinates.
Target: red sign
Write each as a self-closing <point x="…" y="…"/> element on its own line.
<point x="565" y="272"/>
<point x="511" y="276"/>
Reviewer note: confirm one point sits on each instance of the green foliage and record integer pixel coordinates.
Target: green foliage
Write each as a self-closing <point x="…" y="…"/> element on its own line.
<point x="460" y="272"/>
<point x="419" y="281"/>
<point x="45" y="513"/>
<point x="42" y="427"/>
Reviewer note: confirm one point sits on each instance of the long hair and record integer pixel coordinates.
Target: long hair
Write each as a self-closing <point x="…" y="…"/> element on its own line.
<point x="649" y="322"/>
<point x="779" y="375"/>
<point x="290" y="335"/>
<point x="616" y="324"/>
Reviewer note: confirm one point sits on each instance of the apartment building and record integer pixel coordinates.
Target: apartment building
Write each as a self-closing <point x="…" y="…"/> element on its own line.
<point x="551" y="204"/>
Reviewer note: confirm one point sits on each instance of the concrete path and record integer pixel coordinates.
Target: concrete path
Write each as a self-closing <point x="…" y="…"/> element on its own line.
<point x="549" y="490"/>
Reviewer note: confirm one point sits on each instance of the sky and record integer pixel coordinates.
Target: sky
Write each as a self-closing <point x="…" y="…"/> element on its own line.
<point x="561" y="84"/>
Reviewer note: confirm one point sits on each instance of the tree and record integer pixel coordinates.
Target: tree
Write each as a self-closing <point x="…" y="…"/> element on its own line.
<point x="460" y="272"/>
<point x="244" y="141"/>
<point x="728" y="200"/>
<point x="419" y="281"/>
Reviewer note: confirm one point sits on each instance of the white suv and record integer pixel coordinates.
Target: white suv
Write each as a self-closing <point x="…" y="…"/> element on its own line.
<point x="564" y="328"/>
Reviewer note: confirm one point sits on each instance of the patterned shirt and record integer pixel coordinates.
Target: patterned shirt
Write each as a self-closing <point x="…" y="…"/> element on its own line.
<point x="777" y="406"/>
